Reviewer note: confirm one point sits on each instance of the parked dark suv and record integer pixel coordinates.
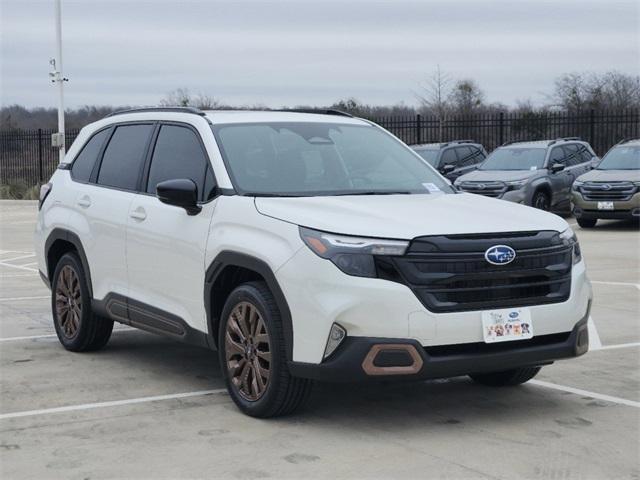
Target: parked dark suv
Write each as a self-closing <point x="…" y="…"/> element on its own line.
<point x="454" y="158"/>
<point x="538" y="174"/>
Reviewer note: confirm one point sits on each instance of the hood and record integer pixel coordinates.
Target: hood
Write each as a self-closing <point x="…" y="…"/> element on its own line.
<point x="497" y="175"/>
<point x="408" y="216"/>
<point x="611" y="176"/>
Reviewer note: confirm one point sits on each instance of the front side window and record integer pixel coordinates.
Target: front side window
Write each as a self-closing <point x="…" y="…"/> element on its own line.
<point x="123" y="158"/>
<point x="309" y="159"/>
<point x="515" y="159"/>
<point x="430" y="155"/>
<point x="558" y="155"/>
<point x="449" y="157"/>
<point x="621" y="158"/>
<point x="177" y="154"/>
<point x="86" y="159"/>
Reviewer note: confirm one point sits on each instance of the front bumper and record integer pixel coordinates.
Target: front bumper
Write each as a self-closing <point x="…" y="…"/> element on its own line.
<point x="622" y="210"/>
<point x="351" y="360"/>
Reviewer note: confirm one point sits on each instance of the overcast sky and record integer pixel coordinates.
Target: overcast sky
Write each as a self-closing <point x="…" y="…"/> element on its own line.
<point x="284" y="53"/>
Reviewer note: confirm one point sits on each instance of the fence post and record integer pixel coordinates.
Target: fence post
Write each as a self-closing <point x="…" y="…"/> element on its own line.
<point x="418" y="130"/>
<point x="592" y="127"/>
<point x="40" y="173"/>
<point x="501" y="129"/>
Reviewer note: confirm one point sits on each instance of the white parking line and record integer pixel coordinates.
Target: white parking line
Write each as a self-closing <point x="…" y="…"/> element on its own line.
<point x="594" y="338"/>
<point x="621" y="345"/>
<point x="115" y="403"/>
<point x="586" y="393"/>
<point x="14" y="275"/>
<point x="51" y="335"/>
<point x="29" y="269"/>
<point x="621" y="284"/>
<point x="3" y="252"/>
<point x="24" y="298"/>
<point x="18" y="258"/>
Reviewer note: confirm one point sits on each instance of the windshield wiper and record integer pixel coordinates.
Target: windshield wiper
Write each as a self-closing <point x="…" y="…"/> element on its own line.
<point x="374" y="192"/>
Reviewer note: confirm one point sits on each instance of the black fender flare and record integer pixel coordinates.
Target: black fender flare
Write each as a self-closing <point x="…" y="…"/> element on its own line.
<point x="542" y="184"/>
<point x="72" y="238"/>
<point x="230" y="258"/>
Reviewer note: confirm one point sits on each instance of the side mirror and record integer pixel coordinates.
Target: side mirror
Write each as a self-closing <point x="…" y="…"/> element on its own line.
<point x="556" y="167"/>
<point x="180" y="192"/>
<point x="447" y="169"/>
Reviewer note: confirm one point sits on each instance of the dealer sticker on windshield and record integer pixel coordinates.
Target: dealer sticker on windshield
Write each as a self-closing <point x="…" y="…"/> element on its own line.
<point x="507" y="324"/>
<point x="432" y="187"/>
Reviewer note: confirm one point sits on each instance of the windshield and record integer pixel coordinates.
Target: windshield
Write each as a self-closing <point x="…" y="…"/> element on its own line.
<point x="515" y="159"/>
<point x="307" y="159"/>
<point x="621" y="158"/>
<point x="430" y="155"/>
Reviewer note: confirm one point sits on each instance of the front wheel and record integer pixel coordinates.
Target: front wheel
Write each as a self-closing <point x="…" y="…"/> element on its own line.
<point x="587" y="222"/>
<point x="516" y="376"/>
<point x="540" y="201"/>
<point x="253" y="355"/>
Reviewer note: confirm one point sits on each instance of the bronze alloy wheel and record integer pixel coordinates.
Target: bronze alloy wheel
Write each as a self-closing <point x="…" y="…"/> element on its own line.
<point x="68" y="302"/>
<point x="248" y="351"/>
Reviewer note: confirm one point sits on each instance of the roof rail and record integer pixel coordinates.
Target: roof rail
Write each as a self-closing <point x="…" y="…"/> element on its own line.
<point x="195" y="111"/>
<point x="321" y="111"/>
<point x="457" y="141"/>
<point x="511" y="142"/>
<point x="570" y="138"/>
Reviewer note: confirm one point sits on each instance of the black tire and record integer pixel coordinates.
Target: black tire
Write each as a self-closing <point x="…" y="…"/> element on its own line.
<point x="283" y="393"/>
<point x="90" y="332"/>
<point x="541" y="201"/>
<point x="507" y="378"/>
<point x="587" y="222"/>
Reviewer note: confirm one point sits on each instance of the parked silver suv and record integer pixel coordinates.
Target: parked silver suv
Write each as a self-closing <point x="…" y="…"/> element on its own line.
<point x="538" y="174"/>
<point x="452" y="159"/>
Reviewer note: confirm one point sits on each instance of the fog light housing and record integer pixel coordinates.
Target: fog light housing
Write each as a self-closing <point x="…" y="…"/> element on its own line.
<point x="336" y="336"/>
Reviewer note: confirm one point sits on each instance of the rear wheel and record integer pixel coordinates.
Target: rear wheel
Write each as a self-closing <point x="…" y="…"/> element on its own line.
<point x="253" y="356"/>
<point x="540" y="201"/>
<point x="587" y="222"/>
<point x="516" y="376"/>
<point x="77" y="327"/>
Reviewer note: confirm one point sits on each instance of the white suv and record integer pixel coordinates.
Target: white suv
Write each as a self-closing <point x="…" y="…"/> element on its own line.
<point x="302" y="246"/>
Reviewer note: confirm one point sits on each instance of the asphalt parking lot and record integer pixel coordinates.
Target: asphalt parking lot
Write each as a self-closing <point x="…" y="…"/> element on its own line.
<point x="146" y="407"/>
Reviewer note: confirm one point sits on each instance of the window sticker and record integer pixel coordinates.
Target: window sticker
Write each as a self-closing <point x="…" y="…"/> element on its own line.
<point x="432" y="187"/>
<point x="533" y="168"/>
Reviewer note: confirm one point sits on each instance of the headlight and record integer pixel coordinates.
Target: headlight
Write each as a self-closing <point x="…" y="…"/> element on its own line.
<point x="576" y="185"/>
<point x="352" y="255"/>
<point x="516" y="184"/>
<point x="637" y="184"/>
<point x="568" y="237"/>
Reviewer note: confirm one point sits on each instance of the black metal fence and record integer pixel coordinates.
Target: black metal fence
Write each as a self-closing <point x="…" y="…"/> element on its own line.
<point x="26" y="156"/>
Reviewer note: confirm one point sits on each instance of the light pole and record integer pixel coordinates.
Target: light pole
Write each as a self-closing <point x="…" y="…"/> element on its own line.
<point x="58" y="139"/>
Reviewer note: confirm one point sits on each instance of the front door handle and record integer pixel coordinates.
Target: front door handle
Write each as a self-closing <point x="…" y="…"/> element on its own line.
<point x="138" y="214"/>
<point x="84" y="202"/>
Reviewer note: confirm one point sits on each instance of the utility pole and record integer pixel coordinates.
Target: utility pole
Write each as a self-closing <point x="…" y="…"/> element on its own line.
<point x="58" y="139"/>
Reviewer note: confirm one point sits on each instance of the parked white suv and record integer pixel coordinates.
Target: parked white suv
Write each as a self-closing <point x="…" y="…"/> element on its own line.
<point x="302" y="246"/>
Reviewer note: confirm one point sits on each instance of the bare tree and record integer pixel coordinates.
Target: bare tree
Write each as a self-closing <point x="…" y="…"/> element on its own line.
<point x="180" y="97"/>
<point x="610" y="90"/>
<point x="466" y="97"/>
<point x="205" y="102"/>
<point x="434" y="97"/>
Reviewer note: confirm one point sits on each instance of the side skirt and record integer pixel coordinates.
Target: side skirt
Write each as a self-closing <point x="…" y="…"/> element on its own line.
<point x="151" y="319"/>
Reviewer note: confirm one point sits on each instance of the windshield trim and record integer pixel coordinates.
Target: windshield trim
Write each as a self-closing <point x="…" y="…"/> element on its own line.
<point x="448" y="187"/>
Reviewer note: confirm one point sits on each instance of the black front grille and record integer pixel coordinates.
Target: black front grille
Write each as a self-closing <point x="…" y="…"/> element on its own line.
<point x="488" y="189"/>
<point x="450" y="273"/>
<point x="608" y="191"/>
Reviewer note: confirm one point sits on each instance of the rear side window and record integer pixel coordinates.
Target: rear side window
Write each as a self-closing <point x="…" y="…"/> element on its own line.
<point x="572" y="155"/>
<point x="86" y="159"/>
<point x="123" y="157"/>
<point x="177" y="154"/>
<point x="585" y="154"/>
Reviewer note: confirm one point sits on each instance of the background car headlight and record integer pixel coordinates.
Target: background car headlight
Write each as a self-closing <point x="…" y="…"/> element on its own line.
<point x="568" y="237"/>
<point x="516" y="184"/>
<point x="576" y="185"/>
<point x="352" y="255"/>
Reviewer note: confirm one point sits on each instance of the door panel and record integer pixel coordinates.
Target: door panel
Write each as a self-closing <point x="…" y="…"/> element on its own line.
<point x="166" y="255"/>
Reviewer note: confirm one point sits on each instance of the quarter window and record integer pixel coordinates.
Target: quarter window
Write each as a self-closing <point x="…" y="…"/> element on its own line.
<point x="177" y="154"/>
<point x="123" y="157"/>
<point x="86" y="159"/>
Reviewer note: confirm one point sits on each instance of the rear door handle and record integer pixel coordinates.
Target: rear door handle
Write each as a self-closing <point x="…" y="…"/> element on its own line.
<point x="84" y="202"/>
<point x="138" y="214"/>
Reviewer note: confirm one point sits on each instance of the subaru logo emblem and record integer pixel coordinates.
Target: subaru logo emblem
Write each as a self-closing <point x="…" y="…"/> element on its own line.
<point x="606" y="186"/>
<point x="500" y="255"/>
<point x="480" y="186"/>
